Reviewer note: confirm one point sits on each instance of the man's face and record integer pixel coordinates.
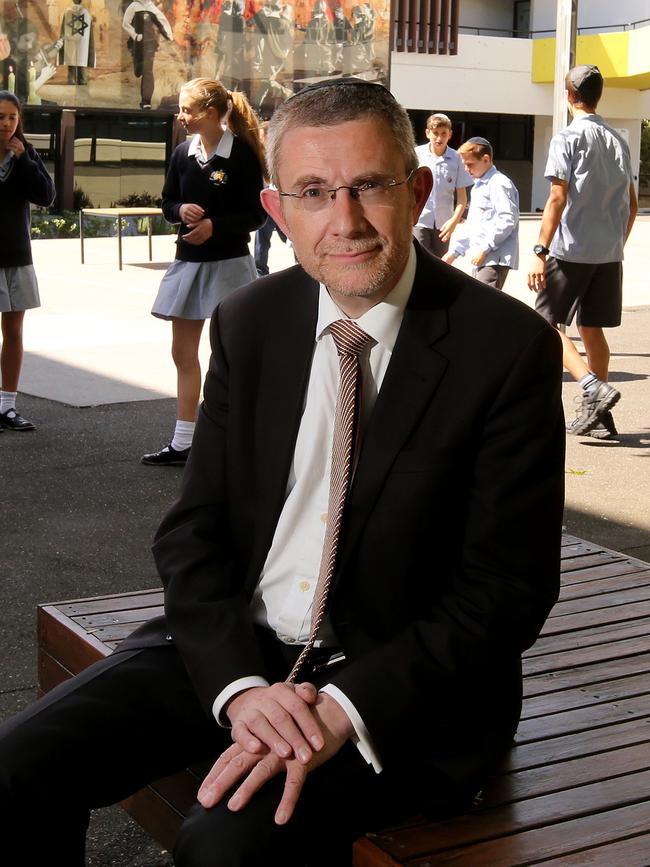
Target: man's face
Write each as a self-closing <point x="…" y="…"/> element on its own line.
<point x="477" y="167"/>
<point x="357" y="250"/>
<point x="438" y="138"/>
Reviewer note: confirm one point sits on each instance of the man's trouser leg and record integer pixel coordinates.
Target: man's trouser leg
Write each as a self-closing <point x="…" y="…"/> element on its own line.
<point x="91" y="742"/>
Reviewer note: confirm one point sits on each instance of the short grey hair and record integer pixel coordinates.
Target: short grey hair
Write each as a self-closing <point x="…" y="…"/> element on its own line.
<point x="326" y="106"/>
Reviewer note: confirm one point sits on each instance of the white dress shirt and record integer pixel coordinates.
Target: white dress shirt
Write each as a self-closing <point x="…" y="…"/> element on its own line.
<point x="284" y="596"/>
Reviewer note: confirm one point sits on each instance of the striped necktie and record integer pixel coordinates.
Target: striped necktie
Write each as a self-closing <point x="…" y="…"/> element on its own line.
<point x="350" y="342"/>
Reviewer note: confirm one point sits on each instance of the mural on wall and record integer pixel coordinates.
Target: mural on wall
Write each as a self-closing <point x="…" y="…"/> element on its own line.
<point x="137" y="53"/>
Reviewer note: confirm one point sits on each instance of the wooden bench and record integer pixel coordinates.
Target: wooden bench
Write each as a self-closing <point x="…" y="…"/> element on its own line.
<point x="573" y="790"/>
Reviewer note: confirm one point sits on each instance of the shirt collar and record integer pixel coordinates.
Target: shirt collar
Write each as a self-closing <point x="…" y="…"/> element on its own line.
<point x="223" y="149"/>
<point x="382" y="322"/>
<point x="445" y="155"/>
<point x="486" y="177"/>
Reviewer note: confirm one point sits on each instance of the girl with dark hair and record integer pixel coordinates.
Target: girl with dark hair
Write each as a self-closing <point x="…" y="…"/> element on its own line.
<point x="23" y="179"/>
<point x="212" y="189"/>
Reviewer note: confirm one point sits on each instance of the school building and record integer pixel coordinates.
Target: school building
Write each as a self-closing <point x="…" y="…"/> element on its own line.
<point x="490" y="67"/>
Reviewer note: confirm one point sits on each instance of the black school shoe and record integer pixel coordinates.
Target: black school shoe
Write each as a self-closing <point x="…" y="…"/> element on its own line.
<point x="10" y="420"/>
<point x="166" y="457"/>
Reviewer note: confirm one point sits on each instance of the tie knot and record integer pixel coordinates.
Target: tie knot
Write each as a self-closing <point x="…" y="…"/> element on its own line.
<point x="349" y="339"/>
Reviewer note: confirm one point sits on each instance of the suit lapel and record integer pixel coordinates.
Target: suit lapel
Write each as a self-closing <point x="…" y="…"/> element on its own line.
<point x="413" y="375"/>
<point x="285" y="366"/>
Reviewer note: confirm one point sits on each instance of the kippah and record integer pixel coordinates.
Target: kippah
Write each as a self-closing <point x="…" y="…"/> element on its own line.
<point x="479" y="140"/>
<point x="348" y="81"/>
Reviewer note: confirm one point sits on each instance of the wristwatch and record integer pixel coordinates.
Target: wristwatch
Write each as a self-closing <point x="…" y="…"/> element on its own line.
<point x="540" y="250"/>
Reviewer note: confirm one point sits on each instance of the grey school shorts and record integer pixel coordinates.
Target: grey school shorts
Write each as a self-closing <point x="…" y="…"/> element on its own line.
<point x="18" y="289"/>
<point x="594" y="292"/>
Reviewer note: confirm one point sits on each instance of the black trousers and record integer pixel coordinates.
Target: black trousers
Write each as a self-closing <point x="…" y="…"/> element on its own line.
<point x="133" y="718"/>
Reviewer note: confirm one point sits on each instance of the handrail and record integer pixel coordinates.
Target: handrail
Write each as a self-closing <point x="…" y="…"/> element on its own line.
<point x="602" y="28"/>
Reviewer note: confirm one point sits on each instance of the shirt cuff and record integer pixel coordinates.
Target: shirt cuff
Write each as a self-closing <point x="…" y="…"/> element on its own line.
<point x="229" y="691"/>
<point x="361" y="737"/>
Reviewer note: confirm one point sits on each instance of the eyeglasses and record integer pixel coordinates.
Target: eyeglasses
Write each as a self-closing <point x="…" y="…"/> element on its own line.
<point x="317" y="197"/>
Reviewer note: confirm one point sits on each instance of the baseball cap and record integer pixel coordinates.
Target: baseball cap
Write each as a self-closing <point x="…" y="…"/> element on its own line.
<point x="580" y="75"/>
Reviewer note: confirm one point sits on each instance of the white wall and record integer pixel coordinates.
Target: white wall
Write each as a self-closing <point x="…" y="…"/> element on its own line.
<point x="478" y="13"/>
<point x="591" y="13"/>
<point x="490" y="74"/>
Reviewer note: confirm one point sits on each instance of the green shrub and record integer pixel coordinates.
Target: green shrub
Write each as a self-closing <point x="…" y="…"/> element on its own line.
<point x="66" y="225"/>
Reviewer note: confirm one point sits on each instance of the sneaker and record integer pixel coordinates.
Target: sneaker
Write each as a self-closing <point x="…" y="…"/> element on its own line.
<point x="12" y="421"/>
<point x="605" y="429"/>
<point x="166" y="457"/>
<point x="592" y="407"/>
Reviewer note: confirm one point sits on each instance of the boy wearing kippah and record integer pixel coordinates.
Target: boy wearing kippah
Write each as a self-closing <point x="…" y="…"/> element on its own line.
<point x="491" y="232"/>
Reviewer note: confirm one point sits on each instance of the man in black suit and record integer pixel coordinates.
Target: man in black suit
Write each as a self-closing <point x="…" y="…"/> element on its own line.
<point x="447" y="561"/>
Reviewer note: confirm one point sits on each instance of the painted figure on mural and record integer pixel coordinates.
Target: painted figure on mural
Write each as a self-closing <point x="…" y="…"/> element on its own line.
<point x="273" y="37"/>
<point x="145" y="23"/>
<point x="318" y="51"/>
<point x="78" y="49"/>
<point x="231" y="61"/>
<point x="340" y="37"/>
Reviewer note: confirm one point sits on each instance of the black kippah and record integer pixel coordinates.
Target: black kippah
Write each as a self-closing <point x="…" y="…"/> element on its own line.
<point x="348" y="81"/>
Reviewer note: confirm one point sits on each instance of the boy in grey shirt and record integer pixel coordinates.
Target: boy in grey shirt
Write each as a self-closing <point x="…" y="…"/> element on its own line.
<point x="577" y="262"/>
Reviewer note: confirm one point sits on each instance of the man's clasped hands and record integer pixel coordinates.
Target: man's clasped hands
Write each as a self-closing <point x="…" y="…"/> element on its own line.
<point x="283" y="728"/>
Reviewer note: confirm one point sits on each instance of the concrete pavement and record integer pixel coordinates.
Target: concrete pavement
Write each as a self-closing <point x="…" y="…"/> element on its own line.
<point x="79" y="509"/>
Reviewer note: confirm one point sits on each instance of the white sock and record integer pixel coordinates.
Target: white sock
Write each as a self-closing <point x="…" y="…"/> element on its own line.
<point x="183" y="433"/>
<point x="8" y="400"/>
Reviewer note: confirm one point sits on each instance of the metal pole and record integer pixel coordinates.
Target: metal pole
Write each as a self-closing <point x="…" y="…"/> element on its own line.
<point x="565" y="54"/>
<point x="565" y="57"/>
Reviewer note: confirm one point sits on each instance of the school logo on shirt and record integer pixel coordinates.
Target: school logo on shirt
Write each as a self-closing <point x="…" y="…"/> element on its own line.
<point x="219" y="177"/>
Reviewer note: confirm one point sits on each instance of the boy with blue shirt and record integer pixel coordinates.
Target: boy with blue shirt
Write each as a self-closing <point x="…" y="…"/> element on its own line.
<point x="491" y="232"/>
<point x="577" y="263"/>
<point x="448" y="200"/>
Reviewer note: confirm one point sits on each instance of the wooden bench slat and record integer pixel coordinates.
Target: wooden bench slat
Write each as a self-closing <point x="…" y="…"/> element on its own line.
<point x="90" y="622"/>
<point x="549" y="751"/>
<point x="587" y="696"/>
<point x="605" y="585"/>
<point x="584" y="719"/>
<point x="604" y="570"/>
<point x="590" y="637"/>
<point x="533" y="782"/>
<point x="115" y="632"/>
<point x="598" y="558"/>
<point x="584" y="656"/>
<point x="613" y="599"/>
<point x="598" y="617"/>
<point x="112" y="601"/>
<point x="632" y="852"/>
<point x="552" y="841"/>
<point x="587" y="674"/>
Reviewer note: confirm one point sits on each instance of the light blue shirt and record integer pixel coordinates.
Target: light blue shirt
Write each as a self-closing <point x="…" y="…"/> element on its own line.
<point x="492" y="221"/>
<point x="448" y="175"/>
<point x="595" y="161"/>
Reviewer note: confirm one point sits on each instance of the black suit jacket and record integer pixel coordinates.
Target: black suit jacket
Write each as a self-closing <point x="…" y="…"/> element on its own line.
<point x="449" y="558"/>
